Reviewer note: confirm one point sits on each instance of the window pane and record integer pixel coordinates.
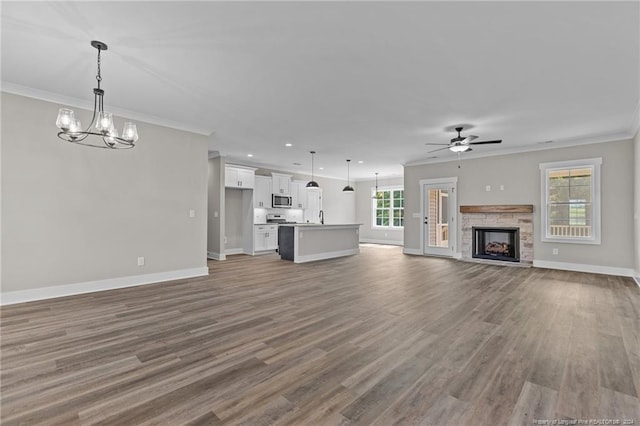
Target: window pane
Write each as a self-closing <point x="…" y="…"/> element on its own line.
<point x="558" y="178"/>
<point x="559" y="194"/>
<point x="569" y="202"/>
<point x="385" y="222"/>
<point x="558" y="212"/>
<point x="580" y="192"/>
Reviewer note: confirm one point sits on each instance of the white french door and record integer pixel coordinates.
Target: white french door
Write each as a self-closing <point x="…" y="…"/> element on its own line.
<point x="439" y="213"/>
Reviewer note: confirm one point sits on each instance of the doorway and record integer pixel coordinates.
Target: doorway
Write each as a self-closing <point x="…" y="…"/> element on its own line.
<point x="439" y="212"/>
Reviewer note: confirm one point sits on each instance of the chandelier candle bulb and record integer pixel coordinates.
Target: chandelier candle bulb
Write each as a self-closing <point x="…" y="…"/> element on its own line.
<point x="75" y="128"/>
<point x="130" y="132"/>
<point x="105" y="122"/>
<point x="65" y="118"/>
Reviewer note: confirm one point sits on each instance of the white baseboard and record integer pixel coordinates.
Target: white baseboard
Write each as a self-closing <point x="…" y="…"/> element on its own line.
<point x="20" y="296"/>
<point x="579" y="267"/>
<point x="412" y="251"/>
<point x="216" y="256"/>
<point x="457" y="255"/>
<point x="234" y="251"/>
<point x="636" y="278"/>
<point x="387" y="242"/>
<point x="328" y="255"/>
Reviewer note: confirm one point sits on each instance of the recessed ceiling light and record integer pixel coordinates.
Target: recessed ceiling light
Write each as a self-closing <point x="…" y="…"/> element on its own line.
<point x="360" y="161"/>
<point x="297" y="164"/>
<point x="287" y="144"/>
<point x="249" y="155"/>
<point x="321" y="168"/>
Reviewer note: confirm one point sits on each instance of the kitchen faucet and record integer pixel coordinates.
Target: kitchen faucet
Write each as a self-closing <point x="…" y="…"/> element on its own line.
<point x="321" y="215"/>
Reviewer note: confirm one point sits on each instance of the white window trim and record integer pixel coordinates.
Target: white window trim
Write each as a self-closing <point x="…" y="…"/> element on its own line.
<point x="545" y="168"/>
<point x="373" y="208"/>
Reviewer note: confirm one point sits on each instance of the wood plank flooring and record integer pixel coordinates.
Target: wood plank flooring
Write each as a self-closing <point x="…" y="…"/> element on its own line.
<point x="380" y="338"/>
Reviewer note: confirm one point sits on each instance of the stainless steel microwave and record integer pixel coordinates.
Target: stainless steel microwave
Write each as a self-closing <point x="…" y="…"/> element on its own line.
<point x="281" y="201"/>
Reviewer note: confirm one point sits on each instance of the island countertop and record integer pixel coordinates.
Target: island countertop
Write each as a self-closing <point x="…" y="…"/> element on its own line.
<point x="305" y="242"/>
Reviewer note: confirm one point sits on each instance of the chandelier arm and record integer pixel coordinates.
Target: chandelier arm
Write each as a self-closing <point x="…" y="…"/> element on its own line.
<point x="85" y="134"/>
<point x="93" y="118"/>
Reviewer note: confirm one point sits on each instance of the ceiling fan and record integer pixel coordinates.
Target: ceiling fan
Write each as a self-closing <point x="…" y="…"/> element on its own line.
<point x="461" y="143"/>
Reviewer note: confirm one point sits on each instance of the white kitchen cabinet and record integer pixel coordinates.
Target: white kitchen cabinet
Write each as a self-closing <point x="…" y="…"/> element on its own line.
<point x="239" y="177"/>
<point x="265" y="238"/>
<point x="281" y="184"/>
<point x="299" y="194"/>
<point x="262" y="192"/>
<point x="314" y="205"/>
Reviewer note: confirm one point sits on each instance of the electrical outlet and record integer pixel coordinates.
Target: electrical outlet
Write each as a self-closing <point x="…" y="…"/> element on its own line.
<point x="555" y="250"/>
<point x="225" y="240"/>
<point x="487" y="188"/>
<point x="141" y="261"/>
<point x="501" y="187"/>
<point x="192" y="213"/>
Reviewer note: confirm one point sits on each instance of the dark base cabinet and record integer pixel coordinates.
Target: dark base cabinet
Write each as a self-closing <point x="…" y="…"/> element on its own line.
<point x="285" y="242"/>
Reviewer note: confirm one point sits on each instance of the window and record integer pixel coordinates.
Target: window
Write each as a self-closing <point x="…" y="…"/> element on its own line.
<point x="388" y="207"/>
<point x="571" y="201"/>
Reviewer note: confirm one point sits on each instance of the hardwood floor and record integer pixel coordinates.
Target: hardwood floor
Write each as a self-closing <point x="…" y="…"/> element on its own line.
<point x="375" y="339"/>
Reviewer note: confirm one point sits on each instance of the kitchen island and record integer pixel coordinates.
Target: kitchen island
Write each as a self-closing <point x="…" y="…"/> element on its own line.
<point x="306" y="242"/>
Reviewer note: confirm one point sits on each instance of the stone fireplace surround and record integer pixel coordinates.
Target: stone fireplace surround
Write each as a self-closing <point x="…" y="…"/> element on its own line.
<point x="512" y="216"/>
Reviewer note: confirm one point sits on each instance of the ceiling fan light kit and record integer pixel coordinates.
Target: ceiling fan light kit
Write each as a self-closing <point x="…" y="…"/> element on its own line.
<point x="71" y="127"/>
<point x="461" y="143"/>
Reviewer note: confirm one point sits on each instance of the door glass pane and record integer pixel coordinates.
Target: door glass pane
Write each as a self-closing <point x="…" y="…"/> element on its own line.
<point x="438" y="226"/>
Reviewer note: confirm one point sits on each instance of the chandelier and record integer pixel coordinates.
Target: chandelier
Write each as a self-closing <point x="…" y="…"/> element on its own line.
<point x="71" y="128"/>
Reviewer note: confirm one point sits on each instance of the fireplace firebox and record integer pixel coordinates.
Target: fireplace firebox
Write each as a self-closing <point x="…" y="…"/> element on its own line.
<point x="496" y="243"/>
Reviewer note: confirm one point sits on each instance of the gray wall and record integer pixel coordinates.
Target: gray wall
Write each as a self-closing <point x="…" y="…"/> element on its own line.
<point x="216" y="208"/>
<point x="520" y="175"/>
<point x="72" y="214"/>
<point x="364" y="212"/>
<point x="636" y="197"/>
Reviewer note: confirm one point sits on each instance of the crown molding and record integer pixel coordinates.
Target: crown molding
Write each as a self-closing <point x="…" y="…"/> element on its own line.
<point x="56" y="98"/>
<point x="635" y="121"/>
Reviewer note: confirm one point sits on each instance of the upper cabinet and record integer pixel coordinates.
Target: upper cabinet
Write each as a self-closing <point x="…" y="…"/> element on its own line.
<point x="281" y="184"/>
<point x="239" y="177"/>
<point x="299" y="194"/>
<point x="262" y="193"/>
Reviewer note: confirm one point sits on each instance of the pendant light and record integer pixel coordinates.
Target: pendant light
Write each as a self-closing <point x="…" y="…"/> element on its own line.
<point x="375" y="196"/>
<point x="312" y="183"/>
<point x="71" y="129"/>
<point x="348" y="188"/>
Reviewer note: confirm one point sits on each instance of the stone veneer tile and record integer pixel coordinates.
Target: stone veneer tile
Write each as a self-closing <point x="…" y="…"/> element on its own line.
<point x="524" y="221"/>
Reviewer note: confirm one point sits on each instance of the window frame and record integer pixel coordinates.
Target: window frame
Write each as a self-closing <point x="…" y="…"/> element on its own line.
<point x="545" y="168"/>
<point x="390" y="208"/>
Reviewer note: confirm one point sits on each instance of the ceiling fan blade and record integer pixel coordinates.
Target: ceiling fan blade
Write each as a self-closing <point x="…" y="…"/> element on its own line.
<point x="485" y="142"/>
<point x="469" y="139"/>
<point x="443" y="144"/>
<point x="439" y="149"/>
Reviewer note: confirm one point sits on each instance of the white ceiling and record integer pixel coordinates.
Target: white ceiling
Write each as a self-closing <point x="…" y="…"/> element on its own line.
<point x="370" y="81"/>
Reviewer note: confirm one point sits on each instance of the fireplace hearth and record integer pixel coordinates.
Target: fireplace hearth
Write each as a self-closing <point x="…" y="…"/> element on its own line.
<point x="496" y="243"/>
